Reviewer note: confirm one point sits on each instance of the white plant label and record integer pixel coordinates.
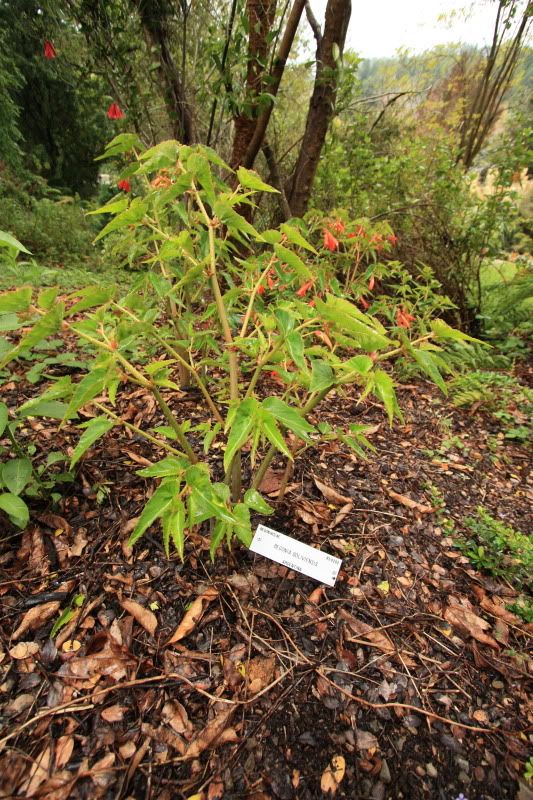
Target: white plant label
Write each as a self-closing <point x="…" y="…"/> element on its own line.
<point x="296" y="555"/>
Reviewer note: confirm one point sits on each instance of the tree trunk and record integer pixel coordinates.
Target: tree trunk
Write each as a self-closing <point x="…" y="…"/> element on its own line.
<point x="260" y="19"/>
<point x="321" y="105"/>
<point x="154" y="18"/>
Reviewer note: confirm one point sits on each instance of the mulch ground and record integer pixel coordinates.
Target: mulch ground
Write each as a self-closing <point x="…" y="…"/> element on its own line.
<point x="408" y="679"/>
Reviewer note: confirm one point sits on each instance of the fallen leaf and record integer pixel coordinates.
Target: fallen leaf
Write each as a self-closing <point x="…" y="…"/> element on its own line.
<point x="210" y="734"/>
<point x="55" y="522"/>
<point x="469" y="623"/>
<point x="216" y="790"/>
<point x="260" y="672"/>
<point x="331" y="494"/>
<point x="366" y="741"/>
<point x="333" y="775"/>
<point x="18" y="705"/>
<point x="271" y="481"/>
<point x="113" y="713"/>
<point x="24" y="650"/>
<point x="144" y="616"/>
<point x="164" y="736"/>
<point x="63" y="750"/>
<point x="409" y="503"/>
<point x="175" y="715"/>
<point x="101" y="773"/>
<point x="38" y="774"/>
<point x="373" y="637"/>
<point x="71" y="646"/>
<point x="36" y="617"/>
<point x="345" y="510"/>
<point x="193" y="615"/>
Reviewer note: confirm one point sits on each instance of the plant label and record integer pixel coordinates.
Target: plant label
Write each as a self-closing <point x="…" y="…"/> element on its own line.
<point x="296" y="555"/>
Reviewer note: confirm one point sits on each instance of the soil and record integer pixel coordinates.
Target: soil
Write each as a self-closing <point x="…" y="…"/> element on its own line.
<point x="408" y="679"/>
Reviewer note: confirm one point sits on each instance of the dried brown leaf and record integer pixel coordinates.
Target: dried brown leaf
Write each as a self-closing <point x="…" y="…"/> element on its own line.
<point x="144" y="616"/>
<point x="469" y="623"/>
<point x="175" y="715"/>
<point x="63" y="750"/>
<point x="331" y="495"/>
<point x="101" y="773"/>
<point x="36" y="617"/>
<point x="38" y="774"/>
<point x="19" y="704"/>
<point x="410" y="503"/>
<point x="24" y="650"/>
<point x="209" y="736"/>
<point x="260" y="672"/>
<point x="193" y="615"/>
<point x="216" y="789"/>
<point x="366" y="741"/>
<point x="345" y="510"/>
<point x="333" y="775"/>
<point x="113" y="713"/>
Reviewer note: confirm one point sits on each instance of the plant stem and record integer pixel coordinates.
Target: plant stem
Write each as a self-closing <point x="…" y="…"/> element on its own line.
<point x="138" y="431"/>
<point x="174" y="424"/>
<point x="271" y="452"/>
<point x="235" y="468"/>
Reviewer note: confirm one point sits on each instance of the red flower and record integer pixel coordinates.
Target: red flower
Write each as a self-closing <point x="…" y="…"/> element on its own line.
<point x="124" y="185"/>
<point x="365" y="304"/>
<point x="392" y="239"/>
<point x="304" y="288"/>
<point x="403" y="318"/>
<point x="339" y="226"/>
<point x="371" y="283"/>
<point x="49" y="50"/>
<point x="261" y="290"/>
<point x="115" y="112"/>
<point x="311" y="303"/>
<point x="329" y="241"/>
<point x="276" y="376"/>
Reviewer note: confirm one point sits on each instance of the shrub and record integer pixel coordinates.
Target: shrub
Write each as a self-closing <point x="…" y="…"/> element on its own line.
<point x="204" y="307"/>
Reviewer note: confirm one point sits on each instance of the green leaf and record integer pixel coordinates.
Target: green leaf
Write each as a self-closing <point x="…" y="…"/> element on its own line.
<point x="204" y="499"/>
<point x="4" y="416"/>
<point x="60" y="389"/>
<point x="16" y="509"/>
<point x="130" y="216"/>
<point x="64" y="618"/>
<point x="46" y="408"/>
<point x="251" y="180"/>
<point x="219" y="530"/>
<point x="89" y="387"/>
<point x="289" y="417"/>
<point x="366" y="333"/>
<point x="293" y="261"/>
<point x="9" y="322"/>
<point x="18" y="300"/>
<point x="174" y="528"/>
<point x="384" y="388"/>
<point x="94" y="430"/>
<point x="295" y="237"/>
<point x="16" y="473"/>
<point x="427" y="364"/>
<point x="113" y="207"/>
<point x="162" y="155"/>
<point x="253" y="499"/>
<point x="243" y="528"/>
<point x="154" y="508"/>
<point x="321" y="376"/>
<point x="171" y="466"/>
<point x="234" y="221"/>
<point x="6" y="240"/>
<point x="241" y="427"/>
<point x="198" y="165"/>
<point x="91" y="296"/>
<point x="444" y="331"/>
<point x="43" y="328"/>
<point x="274" y="435"/>
<point x="295" y="346"/>
<point x="122" y="143"/>
<point x="47" y="297"/>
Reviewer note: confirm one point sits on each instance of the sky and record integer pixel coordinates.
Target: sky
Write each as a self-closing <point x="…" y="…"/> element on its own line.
<point x="380" y="27"/>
